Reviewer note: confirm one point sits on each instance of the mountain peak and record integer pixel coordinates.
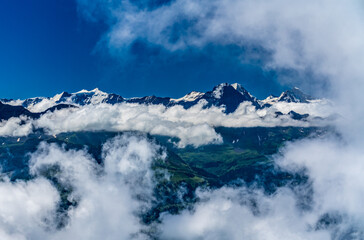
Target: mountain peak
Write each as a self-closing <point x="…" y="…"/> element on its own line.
<point x="236" y="86"/>
<point x="230" y="95"/>
<point x="219" y="90"/>
<point x="294" y="95"/>
<point x="58" y="96"/>
<point x="94" y="91"/>
<point x="82" y="91"/>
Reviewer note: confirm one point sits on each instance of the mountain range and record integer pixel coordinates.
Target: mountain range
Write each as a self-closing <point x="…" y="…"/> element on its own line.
<point x="227" y="95"/>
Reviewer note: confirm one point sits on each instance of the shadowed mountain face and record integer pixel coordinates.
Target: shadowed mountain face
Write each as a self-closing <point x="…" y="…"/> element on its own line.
<point x="8" y="111"/>
<point x="151" y="100"/>
<point x="58" y="107"/>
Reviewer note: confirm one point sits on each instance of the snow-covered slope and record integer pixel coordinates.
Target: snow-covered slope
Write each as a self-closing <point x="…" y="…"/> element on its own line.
<point x="192" y="96"/>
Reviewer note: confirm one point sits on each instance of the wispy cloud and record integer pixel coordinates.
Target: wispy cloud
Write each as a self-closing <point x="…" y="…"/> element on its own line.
<point x="322" y="37"/>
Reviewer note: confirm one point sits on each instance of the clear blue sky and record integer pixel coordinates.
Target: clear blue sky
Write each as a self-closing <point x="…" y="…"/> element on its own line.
<point x="47" y="47"/>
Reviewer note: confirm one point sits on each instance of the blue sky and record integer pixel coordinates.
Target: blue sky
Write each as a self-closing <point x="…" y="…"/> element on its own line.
<point x="50" y="46"/>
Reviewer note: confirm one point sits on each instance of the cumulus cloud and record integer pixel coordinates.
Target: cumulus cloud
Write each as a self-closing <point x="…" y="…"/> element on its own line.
<point x="242" y="213"/>
<point x="109" y="199"/>
<point x="335" y="168"/>
<point x="24" y="206"/>
<point x="16" y="127"/>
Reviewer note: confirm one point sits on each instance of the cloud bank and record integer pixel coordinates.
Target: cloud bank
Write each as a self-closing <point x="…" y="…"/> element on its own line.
<point x="193" y="126"/>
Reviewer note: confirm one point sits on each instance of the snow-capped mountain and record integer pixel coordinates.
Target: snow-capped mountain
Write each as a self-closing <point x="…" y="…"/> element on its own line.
<point x="227" y="95"/>
<point x="294" y="95"/>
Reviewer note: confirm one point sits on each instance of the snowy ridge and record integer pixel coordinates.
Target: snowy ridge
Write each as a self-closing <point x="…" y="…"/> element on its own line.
<point x="269" y="100"/>
<point x="192" y="96"/>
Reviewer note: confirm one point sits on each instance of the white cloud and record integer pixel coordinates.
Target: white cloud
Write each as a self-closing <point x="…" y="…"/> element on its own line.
<point x="335" y="168"/>
<point x="109" y="199"/>
<point x="108" y="204"/>
<point x="127" y="117"/>
<point x="242" y="213"/>
<point x="15" y="128"/>
<point x="193" y="126"/>
<point x="24" y="207"/>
